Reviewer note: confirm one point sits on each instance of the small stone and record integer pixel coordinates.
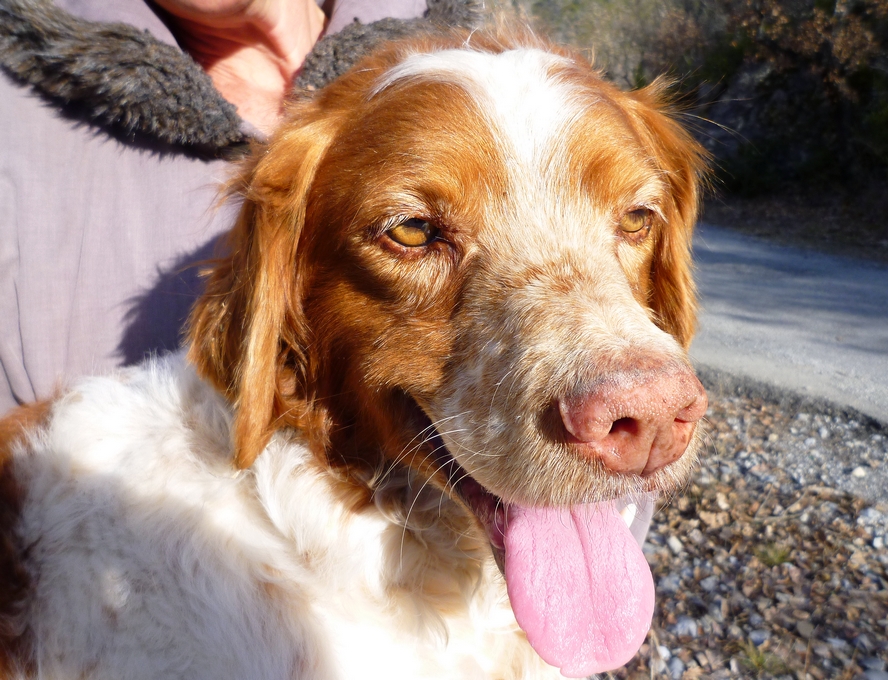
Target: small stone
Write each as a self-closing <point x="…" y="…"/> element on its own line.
<point x="878" y="542"/>
<point x="805" y="629"/>
<point x="664" y="652"/>
<point x="870" y="516"/>
<point x="873" y="664"/>
<point x="716" y="520"/>
<point x="675" y="545"/>
<point x="709" y="583"/>
<point x="684" y="654"/>
<point x="859" y="472"/>
<point x="822" y="650"/>
<point x="685" y="627"/>
<point x="669" y="584"/>
<point x="759" y="637"/>
<point x="874" y="675"/>
<point x="676" y="668"/>
<point x="863" y="643"/>
<point x="838" y="644"/>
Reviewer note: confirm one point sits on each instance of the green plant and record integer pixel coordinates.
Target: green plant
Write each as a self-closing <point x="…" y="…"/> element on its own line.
<point x="762" y="663"/>
<point x="773" y="555"/>
<point x="797" y="90"/>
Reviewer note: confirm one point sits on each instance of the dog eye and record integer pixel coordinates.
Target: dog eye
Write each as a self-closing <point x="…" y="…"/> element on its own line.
<point x="413" y="233"/>
<point x="636" y="224"/>
<point x="636" y="220"/>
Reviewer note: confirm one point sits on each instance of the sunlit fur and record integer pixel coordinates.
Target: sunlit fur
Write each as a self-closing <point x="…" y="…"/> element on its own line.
<point x="273" y="506"/>
<point x="536" y="290"/>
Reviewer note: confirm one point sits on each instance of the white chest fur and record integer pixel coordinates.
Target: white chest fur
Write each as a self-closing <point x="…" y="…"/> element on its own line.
<point x="152" y="558"/>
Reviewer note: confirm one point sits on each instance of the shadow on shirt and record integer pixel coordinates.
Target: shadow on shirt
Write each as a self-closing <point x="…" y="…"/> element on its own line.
<point x="155" y="322"/>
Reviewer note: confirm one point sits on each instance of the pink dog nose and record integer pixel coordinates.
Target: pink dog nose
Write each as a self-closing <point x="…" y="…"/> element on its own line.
<point x="636" y="422"/>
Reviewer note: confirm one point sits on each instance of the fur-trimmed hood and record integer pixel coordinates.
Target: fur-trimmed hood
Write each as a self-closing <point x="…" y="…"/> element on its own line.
<point x="137" y="87"/>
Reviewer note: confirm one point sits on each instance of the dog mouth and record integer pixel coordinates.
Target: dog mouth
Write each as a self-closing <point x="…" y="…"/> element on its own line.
<point x="578" y="582"/>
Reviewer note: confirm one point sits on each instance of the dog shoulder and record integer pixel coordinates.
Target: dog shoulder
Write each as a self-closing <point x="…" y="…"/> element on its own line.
<point x="129" y="531"/>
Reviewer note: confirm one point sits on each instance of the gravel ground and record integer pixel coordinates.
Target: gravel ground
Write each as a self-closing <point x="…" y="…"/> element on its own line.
<point x="773" y="563"/>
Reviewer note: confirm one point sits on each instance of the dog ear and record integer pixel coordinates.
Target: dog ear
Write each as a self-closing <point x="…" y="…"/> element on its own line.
<point x="682" y="162"/>
<point x="247" y="332"/>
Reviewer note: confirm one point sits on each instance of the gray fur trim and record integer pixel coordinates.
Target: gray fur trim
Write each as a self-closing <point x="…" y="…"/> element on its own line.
<point x="136" y="86"/>
<point x="115" y="75"/>
<point x="336" y="54"/>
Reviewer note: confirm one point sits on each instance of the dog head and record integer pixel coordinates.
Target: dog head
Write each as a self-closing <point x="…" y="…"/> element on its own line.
<point x="471" y="256"/>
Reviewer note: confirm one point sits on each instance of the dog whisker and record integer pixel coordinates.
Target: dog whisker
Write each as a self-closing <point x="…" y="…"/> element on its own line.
<point x="458" y="293"/>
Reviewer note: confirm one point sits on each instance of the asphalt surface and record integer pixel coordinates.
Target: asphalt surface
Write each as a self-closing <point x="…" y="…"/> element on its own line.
<point x="797" y="320"/>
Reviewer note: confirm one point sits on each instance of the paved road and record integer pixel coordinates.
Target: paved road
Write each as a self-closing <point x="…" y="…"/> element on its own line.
<point x="809" y="322"/>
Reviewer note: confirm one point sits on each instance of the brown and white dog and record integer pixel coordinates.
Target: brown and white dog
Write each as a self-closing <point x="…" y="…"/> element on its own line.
<point x="446" y="348"/>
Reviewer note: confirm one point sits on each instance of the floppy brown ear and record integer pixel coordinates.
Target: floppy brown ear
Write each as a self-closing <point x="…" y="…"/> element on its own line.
<point x="247" y="332"/>
<point x="683" y="162"/>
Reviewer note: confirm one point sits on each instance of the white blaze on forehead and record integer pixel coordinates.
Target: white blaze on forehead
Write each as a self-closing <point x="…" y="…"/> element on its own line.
<point x="516" y="90"/>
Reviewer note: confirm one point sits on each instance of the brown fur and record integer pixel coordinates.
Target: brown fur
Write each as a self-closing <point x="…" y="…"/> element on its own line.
<point x="251" y="335"/>
<point x="308" y="323"/>
<point x="316" y="320"/>
<point x="14" y="580"/>
<point x="681" y="161"/>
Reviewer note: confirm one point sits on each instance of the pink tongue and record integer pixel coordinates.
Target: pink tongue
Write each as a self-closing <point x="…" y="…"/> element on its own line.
<point x="579" y="585"/>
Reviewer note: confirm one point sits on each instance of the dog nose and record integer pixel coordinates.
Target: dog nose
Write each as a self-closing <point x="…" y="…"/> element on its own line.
<point x="636" y="422"/>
